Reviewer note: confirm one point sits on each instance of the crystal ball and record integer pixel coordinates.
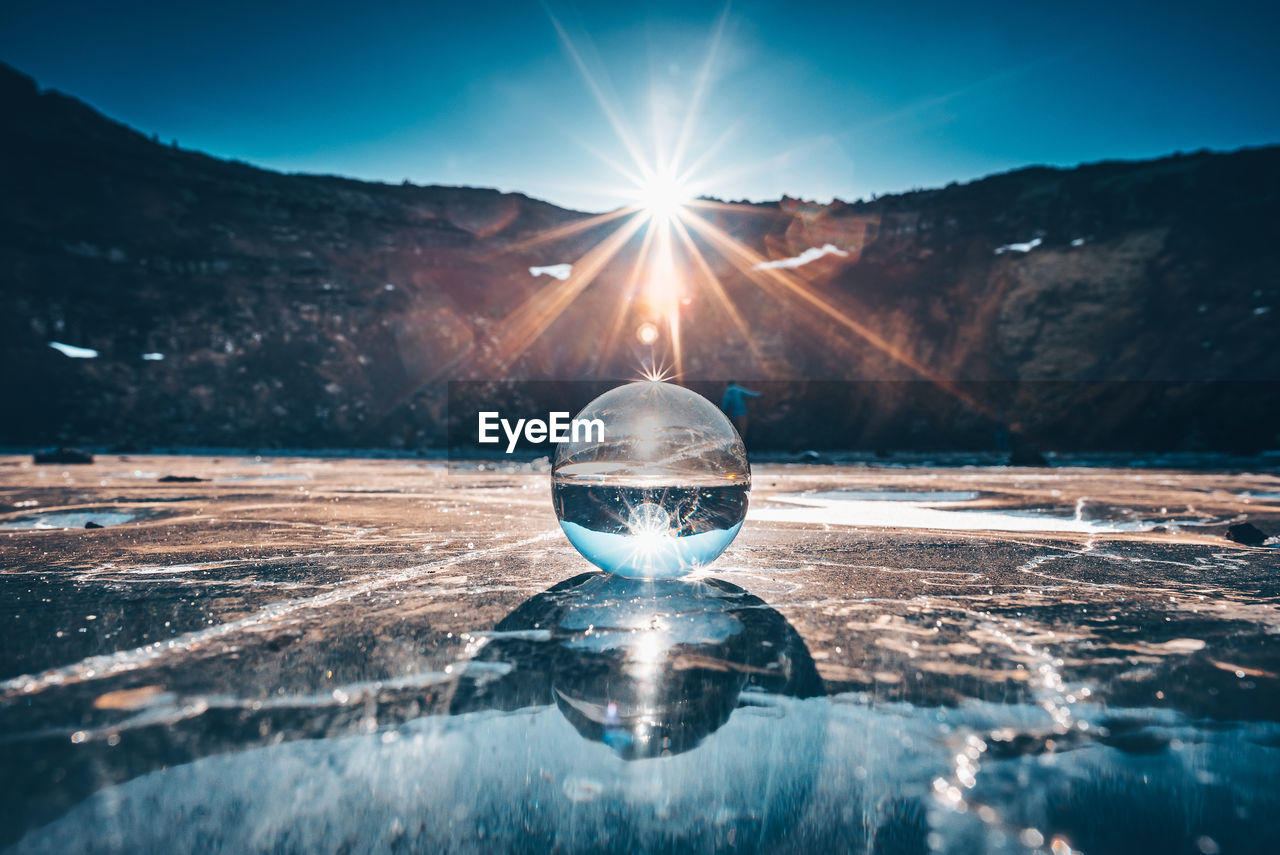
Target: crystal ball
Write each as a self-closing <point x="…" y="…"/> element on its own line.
<point x="663" y="493"/>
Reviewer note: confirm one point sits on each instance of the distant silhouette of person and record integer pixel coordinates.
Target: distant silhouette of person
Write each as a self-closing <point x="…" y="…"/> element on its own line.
<point x="734" y="404"/>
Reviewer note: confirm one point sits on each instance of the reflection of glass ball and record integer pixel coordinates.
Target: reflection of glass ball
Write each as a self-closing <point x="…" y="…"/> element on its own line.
<point x="699" y="682"/>
<point x="663" y="493"/>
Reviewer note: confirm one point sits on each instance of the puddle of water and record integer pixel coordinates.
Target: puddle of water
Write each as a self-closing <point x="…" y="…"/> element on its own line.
<point x="67" y="519"/>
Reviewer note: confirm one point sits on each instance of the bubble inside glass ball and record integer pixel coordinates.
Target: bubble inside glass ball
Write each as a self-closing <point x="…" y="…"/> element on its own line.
<point x="664" y="493"/>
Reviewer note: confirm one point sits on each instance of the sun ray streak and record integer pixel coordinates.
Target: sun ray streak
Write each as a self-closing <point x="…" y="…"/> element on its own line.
<point x="777" y="160"/>
<point x="677" y="359"/>
<point x="665" y="291"/>
<point x="522" y="326"/>
<point x="618" y="124"/>
<point x="1008" y="74"/>
<point x="777" y="281"/>
<point x="629" y="293"/>
<point x="612" y="163"/>
<point x="700" y="89"/>
<point x="654" y="373"/>
<point x="717" y="289"/>
<point x="570" y="229"/>
<point x="709" y="152"/>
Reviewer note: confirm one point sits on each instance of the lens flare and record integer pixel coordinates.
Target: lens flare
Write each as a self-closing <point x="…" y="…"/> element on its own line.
<point x="662" y="196"/>
<point x="679" y="230"/>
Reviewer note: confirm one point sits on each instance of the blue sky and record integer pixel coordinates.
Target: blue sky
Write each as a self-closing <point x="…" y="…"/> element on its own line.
<point x="808" y="99"/>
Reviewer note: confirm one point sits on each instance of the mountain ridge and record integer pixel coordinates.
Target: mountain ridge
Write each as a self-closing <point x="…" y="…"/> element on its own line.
<point x="307" y="310"/>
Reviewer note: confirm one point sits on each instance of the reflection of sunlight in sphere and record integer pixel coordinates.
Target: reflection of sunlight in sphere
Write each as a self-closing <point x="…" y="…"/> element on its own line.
<point x="649" y="521"/>
<point x="647" y="652"/>
<point x="652" y="539"/>
<point x="647" y="333"/>
<point x="663" y="493"/>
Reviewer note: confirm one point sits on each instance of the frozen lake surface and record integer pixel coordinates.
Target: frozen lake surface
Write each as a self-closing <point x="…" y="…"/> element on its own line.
<point x="303" y="655"/>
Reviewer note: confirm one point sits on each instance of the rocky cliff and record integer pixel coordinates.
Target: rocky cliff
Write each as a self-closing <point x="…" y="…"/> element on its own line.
<point x="1115" y="305"/>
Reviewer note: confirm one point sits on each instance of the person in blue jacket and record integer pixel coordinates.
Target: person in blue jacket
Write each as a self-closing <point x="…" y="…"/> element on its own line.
<point x="734" y="404"/>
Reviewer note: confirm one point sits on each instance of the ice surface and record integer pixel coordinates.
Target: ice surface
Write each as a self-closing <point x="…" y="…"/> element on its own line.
<point x="67" y="519"/>
<point x="944" y="510"/>
<point x="390" y="656"/>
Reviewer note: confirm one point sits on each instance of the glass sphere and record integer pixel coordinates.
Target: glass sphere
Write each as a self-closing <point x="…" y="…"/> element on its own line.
<point x="664" y="492"/>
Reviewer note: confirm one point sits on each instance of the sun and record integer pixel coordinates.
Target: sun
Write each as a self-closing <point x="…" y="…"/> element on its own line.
<point x="670" y="208"/>
<point x="662" y="196"/>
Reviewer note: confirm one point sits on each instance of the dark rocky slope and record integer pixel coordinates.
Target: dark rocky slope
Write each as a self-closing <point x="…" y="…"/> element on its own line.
<point x="307" y="311"/>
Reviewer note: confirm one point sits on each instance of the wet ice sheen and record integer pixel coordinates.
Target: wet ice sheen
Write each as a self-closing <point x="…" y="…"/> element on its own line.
<point x="67" y="519"/>
<point x="830" y="771"/>
<point x="940" y="510"/>
<point x="663" y="494"/>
